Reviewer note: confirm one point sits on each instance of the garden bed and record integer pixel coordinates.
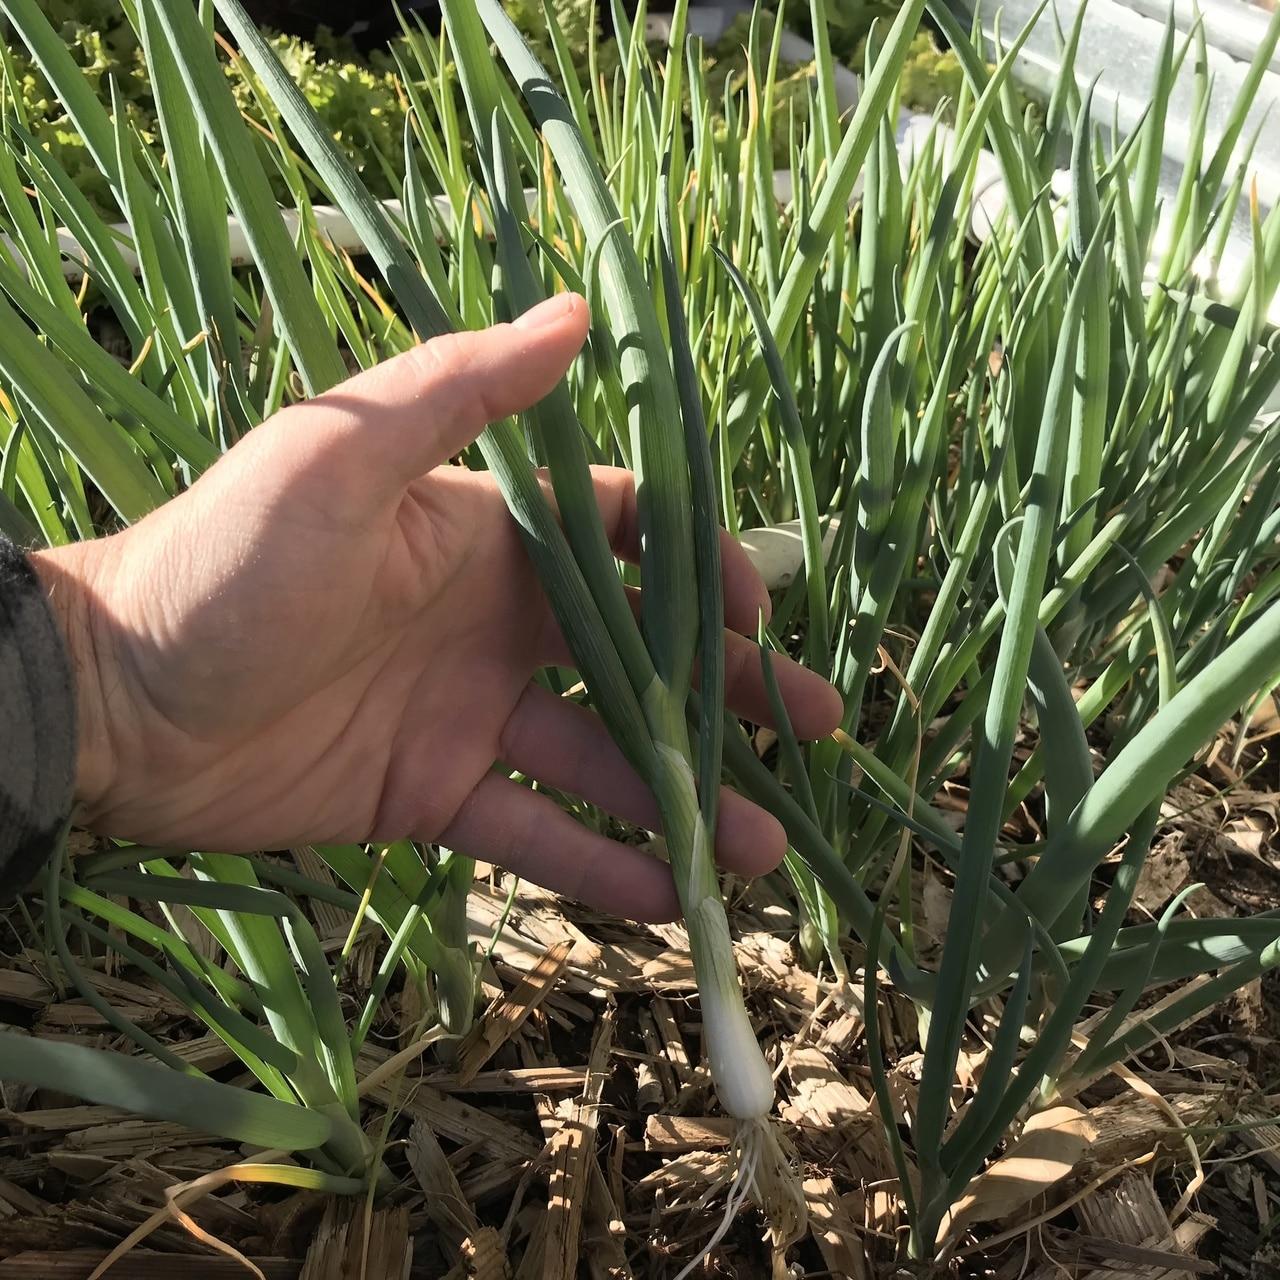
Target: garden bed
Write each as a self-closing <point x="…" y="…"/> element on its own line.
<point x="581" y="1136"/>
<point x="575" y="1129"/>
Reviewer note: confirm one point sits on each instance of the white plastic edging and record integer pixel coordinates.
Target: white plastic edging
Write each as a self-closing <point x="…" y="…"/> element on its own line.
<point x="777" y="550"/>
<point x="330" y="222"/>
<point x="1120" y="43"/>
<point x="1233" y="26"/>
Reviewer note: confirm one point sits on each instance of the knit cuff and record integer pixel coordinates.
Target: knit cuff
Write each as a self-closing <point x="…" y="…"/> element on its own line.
<point x="37" y="725"/>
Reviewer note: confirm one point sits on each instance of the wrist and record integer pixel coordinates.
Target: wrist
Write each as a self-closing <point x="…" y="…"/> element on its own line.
<point x="71" y="577"/>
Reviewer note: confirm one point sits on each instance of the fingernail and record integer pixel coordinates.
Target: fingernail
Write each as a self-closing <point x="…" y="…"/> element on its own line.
<point x="547" y="312"/>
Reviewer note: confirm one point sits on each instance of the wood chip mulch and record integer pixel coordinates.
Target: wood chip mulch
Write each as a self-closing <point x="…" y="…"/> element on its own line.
<point x="574" y="1133"/>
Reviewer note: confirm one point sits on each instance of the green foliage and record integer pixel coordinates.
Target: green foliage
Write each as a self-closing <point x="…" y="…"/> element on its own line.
<point x="578" y="21"/>
<point x="848" y="23"/>
<point x="357" y="100"/>
<point x="101" y="41"/>
<point x="931" y="76"/>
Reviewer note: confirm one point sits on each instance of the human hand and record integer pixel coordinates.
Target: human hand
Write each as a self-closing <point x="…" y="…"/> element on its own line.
<point x="331" y="637"/>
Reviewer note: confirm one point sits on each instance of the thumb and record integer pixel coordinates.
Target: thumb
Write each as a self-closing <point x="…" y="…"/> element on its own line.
<point x="391" y="424"/>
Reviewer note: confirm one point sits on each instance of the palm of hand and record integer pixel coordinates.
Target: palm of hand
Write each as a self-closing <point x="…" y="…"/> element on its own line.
<point x="353" y="685"/>
<point x="331" y="638"/>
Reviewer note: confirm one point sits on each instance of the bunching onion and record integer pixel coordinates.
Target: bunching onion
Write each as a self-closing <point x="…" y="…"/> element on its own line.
<point x="1024" y="456"/>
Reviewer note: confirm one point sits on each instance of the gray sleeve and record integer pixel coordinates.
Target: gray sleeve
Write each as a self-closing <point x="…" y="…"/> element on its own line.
<point x="37" y="725"/>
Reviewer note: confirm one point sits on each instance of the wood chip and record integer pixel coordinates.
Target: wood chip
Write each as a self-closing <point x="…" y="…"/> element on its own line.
<point x="141" y="1002"/>
<point x="120" y="992"/>
<point x="65" y="1119"/>
<point x="446" y="1206"/>
<point x="1080" y="1248"/>
<point x="79" y="1013"/>
<point x="542" y="1079"/>
<point x="841" y="1036"/>
<point x="604" y="1231"/>
<point x="79" y="1265"/>
<point x="26" y="989"/>
<point x="763" y="960"/>
<point x="823" y="1097"/>
<point x="686" y="1176"/>
<point x="1127" y="1209"/>
<point x="460" y="1122"/>
<point x="507" y="1014"/>
<point x="484" y="1258"/>
<point x="831" y="1226"/>
<point x="1129" y="1125"/>
<point x="766" y="960"/>
<point x="672" y="1041"/>
<point x="537" y="923"/>
<point x="616" y="967"/>
<point x="670" y="971"/>
<point x="594" y="968"/>
<point x="330" y="921"/>
<point x="1050" y="1146"/>
<point x="351" y="1242"/>
<point x="198" y="936"/>
<point x="656" y="1082"/>
<point x="571" y="1150"/>
<point x="831" y="1116"/>
<point x="674" y="936"/>
<point x="1264" y="1138"/>
<point x="1124" y="1222"/>
<point x="205" y="1053"/>
<point x="672" y="1135"/>
<point x="136" y="1137"/>
<point x="19" y="1199"/>
<point x="484" y="1179"/>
